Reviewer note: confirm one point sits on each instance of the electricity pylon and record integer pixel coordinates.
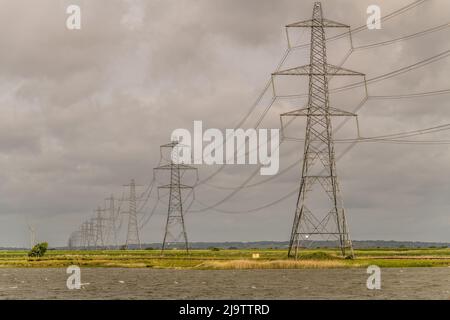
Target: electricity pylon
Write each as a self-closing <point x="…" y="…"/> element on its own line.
<point x="84" y="235"/>
<point x="75" y="240"/>
<point x="91" y="234"/>
<point x="175" y="231"/>
<point x="32" y="230"/>
<point x="317" y="217"/>
<point x="133" y="228"/>
<point x="99" y="228"/>
<point x="112" y="227"/>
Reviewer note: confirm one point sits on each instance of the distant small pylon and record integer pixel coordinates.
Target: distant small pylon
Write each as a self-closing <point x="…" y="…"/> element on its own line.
<point x="133" y="228"/>
<point x="112" y="225"/>
<point x="99" y="228"/>
<point x="32" y="230"/>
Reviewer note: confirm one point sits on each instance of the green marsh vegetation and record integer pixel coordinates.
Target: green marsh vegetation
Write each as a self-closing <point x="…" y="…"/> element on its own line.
<point x="228" y="259"/>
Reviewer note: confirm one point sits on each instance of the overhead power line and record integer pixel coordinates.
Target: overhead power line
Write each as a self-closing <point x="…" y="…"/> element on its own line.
<point x="411" y="36"/>
<point x="364" y="26"/>
<point x="283" y="59"/>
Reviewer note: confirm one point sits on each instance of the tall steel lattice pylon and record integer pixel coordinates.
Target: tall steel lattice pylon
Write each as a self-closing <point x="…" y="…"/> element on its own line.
<point x="320" y="215"/>
<point x="133" y="229"/>
<point x="175" y="230"/>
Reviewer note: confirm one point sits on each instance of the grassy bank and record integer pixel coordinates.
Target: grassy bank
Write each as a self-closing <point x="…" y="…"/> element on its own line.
<point x="228" y="259"/>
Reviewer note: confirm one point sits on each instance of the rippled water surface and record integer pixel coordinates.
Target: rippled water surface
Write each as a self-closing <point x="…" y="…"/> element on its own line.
<point x="412" y="283"/>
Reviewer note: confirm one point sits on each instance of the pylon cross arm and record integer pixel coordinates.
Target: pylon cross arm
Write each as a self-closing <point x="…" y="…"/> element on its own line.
<point x="304" y="112"/>
<point x="175" y="166"/>
<point x="325" y="23"/>
<point x="168" y="186"/>
<point x="339" y="71"/>
<point x="307" y="70"/>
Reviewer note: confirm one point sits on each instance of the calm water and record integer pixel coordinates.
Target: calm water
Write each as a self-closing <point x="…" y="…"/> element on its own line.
<point x="413" y="283"/>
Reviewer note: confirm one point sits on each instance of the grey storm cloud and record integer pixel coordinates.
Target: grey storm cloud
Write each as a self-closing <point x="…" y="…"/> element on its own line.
<point x="83" y="112"/>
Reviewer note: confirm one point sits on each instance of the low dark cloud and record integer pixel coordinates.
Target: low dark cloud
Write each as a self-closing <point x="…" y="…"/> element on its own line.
<point x="83" y="112"/>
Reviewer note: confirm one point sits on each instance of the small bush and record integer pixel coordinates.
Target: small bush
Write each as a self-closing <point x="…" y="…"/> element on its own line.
<point x="38" y="250"/>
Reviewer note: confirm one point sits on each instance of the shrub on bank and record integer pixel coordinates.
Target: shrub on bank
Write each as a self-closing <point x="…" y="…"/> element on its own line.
<point x="38" y="250"/>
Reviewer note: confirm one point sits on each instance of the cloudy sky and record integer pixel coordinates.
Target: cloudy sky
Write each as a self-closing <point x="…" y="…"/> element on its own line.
<point x="82" y="112"/>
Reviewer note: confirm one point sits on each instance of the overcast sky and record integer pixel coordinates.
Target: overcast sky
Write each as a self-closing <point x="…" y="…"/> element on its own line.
<point x="82" y="112"/>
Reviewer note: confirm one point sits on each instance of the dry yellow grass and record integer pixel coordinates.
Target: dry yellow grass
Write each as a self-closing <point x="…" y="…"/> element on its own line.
<point x="406" y="257"/>
<point x="125" y="265"/>
<point x="275" y="264"/>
